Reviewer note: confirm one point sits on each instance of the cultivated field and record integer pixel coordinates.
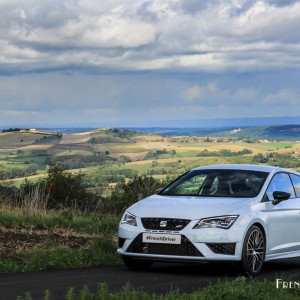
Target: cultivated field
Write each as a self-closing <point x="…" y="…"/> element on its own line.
<point x="112" y="149"/>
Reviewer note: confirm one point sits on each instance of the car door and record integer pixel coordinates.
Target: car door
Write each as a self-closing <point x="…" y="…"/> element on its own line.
<point x="283" y="219"/>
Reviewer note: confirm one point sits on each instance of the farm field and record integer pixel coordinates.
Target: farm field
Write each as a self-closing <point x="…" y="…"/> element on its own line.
<point x="104" y="151"/>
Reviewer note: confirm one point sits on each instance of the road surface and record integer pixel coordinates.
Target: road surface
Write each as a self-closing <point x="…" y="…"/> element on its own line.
<point x="161" y="278"/>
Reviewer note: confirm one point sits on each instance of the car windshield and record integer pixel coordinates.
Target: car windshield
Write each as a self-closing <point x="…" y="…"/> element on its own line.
<point x="217" y="183"/>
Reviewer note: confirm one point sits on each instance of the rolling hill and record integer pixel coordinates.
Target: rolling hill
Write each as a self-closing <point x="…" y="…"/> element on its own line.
<point x="276" y="132"/>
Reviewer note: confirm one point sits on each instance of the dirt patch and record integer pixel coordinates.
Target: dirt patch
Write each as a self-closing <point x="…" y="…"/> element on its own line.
<point x="75" y="138"/>
<point x="17" y="237"/>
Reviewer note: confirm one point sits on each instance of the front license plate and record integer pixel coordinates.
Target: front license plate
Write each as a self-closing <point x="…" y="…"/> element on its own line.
<point x="161" y="238"/>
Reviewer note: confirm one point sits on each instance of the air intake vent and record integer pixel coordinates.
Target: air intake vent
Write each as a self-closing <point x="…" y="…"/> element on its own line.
<point x="225" y="248"/>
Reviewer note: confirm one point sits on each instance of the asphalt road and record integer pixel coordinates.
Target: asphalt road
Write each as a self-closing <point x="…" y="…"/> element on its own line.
<point x="161" y="278"/>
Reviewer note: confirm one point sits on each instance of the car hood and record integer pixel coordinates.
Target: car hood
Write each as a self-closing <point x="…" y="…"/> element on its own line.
<point x="187" y="207"/>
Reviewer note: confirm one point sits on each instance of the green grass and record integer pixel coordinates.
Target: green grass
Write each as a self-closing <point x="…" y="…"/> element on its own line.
<point x="46" y="257"/>
<point x="90" y="223"/>
<point x="239" y="289"/>
<point x="277" y="145"/>
<point x="99" y="229"/>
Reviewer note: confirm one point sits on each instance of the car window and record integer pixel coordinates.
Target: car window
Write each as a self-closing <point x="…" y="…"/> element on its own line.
<point x="281" y="182"/>
<point x="296" y="182"/>
<point x="191" y="186"/>
<point x="217" y="183"/>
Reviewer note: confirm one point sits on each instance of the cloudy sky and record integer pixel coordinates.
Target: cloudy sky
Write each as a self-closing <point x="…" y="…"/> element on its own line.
<point x="129" y="62"/>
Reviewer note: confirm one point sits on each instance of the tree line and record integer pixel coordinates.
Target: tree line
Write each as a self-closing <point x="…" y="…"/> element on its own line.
<point x="17" y="172"/>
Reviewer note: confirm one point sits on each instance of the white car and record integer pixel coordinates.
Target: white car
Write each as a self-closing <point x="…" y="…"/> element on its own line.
<point x="241" y="213"/>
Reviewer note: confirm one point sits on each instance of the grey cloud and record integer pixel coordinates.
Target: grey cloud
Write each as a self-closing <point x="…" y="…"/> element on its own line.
<point x="282" y="2"/>
<point x="282" y="97"/>
<point x="157" y="35"/>
<point x="148" y="59"/>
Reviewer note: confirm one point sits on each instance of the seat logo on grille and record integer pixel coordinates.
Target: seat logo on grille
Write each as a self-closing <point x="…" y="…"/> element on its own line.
<point x="163" y="224"/>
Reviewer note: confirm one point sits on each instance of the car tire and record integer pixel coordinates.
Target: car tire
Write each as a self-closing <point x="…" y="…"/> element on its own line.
<point x="137" y="264"/>
<point x="254" y="251"/>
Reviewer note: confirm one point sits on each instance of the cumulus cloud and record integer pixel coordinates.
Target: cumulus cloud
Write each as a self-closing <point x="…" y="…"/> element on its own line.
<point x="282" y="97"/>
<point x="214" y="36"/>
<point x="212" y="95"/>
<point x="203" y="92"/>
<point x="243" y="95"/>
<point x="194" y="92"/>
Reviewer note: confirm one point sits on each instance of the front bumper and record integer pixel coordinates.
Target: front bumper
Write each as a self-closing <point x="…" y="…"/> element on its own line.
<point x="206" y="244"/>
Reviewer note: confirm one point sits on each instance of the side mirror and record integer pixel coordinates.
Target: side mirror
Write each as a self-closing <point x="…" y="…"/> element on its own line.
<point x="280" y="196"/>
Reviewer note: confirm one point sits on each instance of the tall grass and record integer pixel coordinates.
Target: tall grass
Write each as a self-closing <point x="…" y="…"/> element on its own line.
<point x="35" y="201"/>
<point x="93" y="223"/>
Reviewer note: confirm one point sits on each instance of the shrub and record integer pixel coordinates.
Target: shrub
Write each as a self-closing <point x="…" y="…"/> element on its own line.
<point x="63" y="190"/>
<point x="128" y="193"/>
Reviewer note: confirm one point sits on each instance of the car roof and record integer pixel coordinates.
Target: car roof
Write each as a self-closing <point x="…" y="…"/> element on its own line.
<point x="249" y="167"/>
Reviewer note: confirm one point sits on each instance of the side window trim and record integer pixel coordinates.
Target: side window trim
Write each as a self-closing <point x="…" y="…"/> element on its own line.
<point x="290" y="175"/>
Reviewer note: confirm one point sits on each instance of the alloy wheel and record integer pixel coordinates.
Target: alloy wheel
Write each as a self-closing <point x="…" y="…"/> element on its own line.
<point x="254" y="250"/>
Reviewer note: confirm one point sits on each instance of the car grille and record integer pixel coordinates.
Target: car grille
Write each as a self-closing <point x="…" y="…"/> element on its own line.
<point x="186" y="248"/>
<point x="226" y="248"/>
<point x="168" y="224"/>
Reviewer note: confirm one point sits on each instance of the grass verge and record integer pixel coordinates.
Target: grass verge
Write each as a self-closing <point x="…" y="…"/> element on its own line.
<point x="57" y="240"/>
<point x="102" y="252"/>
<point x="239" y="289"/>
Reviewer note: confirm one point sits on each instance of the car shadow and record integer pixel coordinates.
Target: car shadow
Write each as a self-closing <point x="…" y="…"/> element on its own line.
<point x="287" y="268"/>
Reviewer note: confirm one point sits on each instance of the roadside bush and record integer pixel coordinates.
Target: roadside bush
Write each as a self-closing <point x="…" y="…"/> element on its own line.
<point x="63" y="190"/>
<point x="128" y="193"/>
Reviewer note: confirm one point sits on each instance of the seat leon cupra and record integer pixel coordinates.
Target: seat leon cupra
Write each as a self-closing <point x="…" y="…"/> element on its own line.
<point x="247" y="214"/>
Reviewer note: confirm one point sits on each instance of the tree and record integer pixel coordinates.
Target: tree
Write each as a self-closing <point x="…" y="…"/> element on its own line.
<point x="64" y="190"/>
<point x="128" y="193"/>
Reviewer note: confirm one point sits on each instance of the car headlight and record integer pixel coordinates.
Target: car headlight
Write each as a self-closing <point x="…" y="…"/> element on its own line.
<point x="129" y="219"/>
<point x="224" y="222"/>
